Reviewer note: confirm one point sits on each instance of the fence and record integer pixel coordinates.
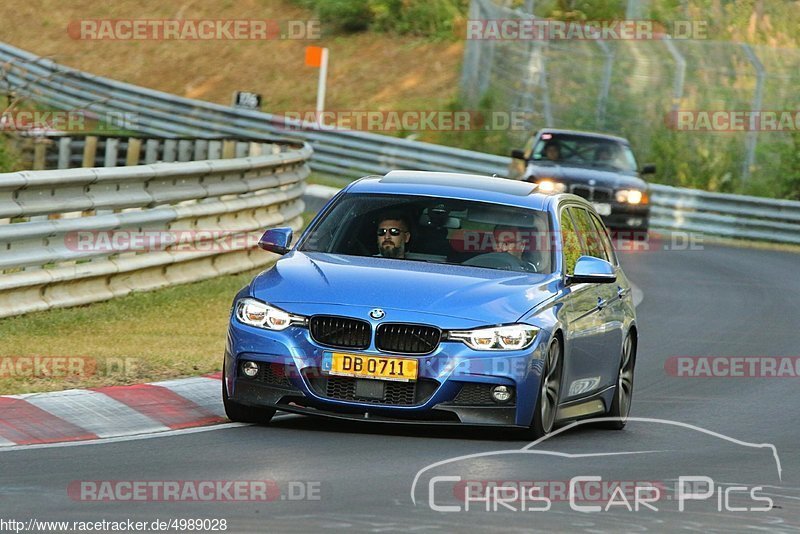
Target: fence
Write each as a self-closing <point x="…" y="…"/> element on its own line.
<point x="351" y="154"/>
<point x="631" y="87"/>
<point x="77" y="235"/>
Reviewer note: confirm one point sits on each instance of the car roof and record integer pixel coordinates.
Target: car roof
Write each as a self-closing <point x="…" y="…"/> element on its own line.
<point x="455" y="185"/>
<point x="596" y="135"/>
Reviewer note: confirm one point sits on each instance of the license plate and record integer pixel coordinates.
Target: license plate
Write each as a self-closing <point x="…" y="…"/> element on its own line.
<point x="602" y="209"/>
<point x="362" y="366"/>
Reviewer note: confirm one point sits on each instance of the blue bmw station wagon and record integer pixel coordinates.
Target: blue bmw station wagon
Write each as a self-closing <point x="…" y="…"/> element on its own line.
<point x="437" y="298"/>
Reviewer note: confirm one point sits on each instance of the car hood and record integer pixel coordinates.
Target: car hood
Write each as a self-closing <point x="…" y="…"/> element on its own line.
<point x="582" y="175"/>
<point x="311" y="283"/>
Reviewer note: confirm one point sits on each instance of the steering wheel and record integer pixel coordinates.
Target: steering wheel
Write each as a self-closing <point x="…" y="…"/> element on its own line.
<point x="500" y="260"/>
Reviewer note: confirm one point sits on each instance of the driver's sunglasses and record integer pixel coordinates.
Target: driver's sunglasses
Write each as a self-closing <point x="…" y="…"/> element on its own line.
<point x="392" y="231"/>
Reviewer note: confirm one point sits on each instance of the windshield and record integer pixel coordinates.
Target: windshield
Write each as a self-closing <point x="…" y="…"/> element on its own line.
<point x="584" y="151"/>
<point x="434" y="230"/>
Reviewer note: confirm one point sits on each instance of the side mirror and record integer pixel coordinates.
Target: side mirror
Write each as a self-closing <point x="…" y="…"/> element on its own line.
<point x="590" y="270"/>
<point x="649" y="169"/>
<point x="518" y="154"/>
<point x="277" y="240"/>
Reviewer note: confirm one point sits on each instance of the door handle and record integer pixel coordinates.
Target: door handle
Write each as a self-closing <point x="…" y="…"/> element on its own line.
<point x="622" y="292"/>
<point x="600" y="303"/>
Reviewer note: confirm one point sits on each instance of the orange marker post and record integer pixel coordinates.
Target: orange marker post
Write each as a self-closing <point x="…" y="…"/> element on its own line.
<point x="317" y="56"/>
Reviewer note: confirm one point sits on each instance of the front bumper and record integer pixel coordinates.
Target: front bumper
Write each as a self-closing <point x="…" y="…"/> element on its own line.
<point x="452" y="388"/>
<point x="295" y="401"/>
<point x="632" y="217"/>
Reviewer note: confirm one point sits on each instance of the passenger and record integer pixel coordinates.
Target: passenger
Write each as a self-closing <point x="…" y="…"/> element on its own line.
<point x="604" y="155"/>
<point x="516" y="242"/>
<point x="509" y="239"/>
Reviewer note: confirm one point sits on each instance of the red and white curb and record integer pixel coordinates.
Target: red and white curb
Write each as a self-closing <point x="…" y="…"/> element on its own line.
<point x="108" y="412"/>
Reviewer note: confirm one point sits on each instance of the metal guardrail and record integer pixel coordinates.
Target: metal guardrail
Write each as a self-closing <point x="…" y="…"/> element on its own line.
<point x="734" y="216"/>
<point x="76" y="235"/>
<point x="342" y="153"/>
<point x="352" y="154"/>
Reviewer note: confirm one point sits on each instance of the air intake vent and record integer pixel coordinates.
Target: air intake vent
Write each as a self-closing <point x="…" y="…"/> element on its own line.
<point x="340" y="332"/>
<point x="407" y="338"/>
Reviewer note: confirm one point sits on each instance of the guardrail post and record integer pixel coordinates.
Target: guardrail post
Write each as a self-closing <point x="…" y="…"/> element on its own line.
<point x="228" y="149"/>
<point x="64" y="152"/>
<point x="242" y="149"/>
<point x="170" y="150"/>
<point x="89" y="151"/>
<point x="134" y="151"/>
<point x="184" y="150"/>
<point x="215" y="150"/>
<point x="151" y="151"/>
<point x="39" y="154"/>
<point x="112" y="147"/>
<point x="270" y="148"/>
<point x="200" y="149"/>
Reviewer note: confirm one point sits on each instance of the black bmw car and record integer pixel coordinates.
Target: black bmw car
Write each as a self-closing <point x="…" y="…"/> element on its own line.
<point x="600" y="168"/>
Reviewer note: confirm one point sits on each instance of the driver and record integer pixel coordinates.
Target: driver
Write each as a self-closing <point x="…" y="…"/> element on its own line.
<point x="393" y="234"/>
<point x="552" y="150"/>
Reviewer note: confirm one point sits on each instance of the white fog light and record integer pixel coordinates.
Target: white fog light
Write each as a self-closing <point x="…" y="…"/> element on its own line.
<point x="502" y="394"/>
<point x="250" y="369"/>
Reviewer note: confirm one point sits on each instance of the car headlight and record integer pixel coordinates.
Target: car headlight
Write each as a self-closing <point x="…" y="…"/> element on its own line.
<point x="632" y="196"/>
<point x="256" y="313"/>
<point x="509" y="337"/>
<point x="547" y="185"/>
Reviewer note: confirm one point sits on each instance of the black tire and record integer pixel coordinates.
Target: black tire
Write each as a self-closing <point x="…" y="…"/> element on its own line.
<point x="623" y="393"/>
<point x="239" y="413"/>
<point x="544" y="413"/>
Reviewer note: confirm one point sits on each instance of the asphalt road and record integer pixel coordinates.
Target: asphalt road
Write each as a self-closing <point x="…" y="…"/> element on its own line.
<point x="719" y="301"/>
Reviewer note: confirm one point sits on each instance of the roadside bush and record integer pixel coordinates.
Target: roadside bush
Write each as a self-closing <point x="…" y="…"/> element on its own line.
<point x="480" y="137"/>
<point x="439" y="19"/>
<point x="9" y="158"/>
